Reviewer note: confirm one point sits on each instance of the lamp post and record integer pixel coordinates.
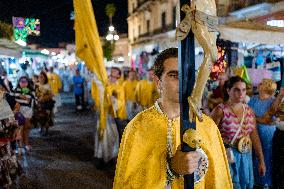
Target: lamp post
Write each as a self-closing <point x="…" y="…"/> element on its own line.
<point x="112" y="34"/>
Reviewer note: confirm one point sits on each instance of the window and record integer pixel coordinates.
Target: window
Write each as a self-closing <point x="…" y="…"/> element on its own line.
<point x="148" y="26"/>
<point x="163" y="19"/>
<point x="139" y="30"/>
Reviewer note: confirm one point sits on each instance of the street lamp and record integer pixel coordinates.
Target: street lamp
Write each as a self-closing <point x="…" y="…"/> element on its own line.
<point x="112" y="35"/>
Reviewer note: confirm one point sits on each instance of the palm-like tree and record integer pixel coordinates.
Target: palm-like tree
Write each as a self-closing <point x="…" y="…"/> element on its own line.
<point x="110" y="11"/>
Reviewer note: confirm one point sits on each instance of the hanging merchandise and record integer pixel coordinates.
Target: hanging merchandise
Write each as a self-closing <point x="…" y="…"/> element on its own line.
<point x="243" y="73"/>
<point x="260" y="59"/>
<point x="275" y="67"/>
<point x="248" y="61"/>
<point x="257" y="75"/>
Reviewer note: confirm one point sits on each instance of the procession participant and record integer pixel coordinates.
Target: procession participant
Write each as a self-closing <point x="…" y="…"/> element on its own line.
<point x="236" y="122"/>
<point x="149" y="154"/>
<point x="146" y="92"/>
<point x="116" y="94"/>
<point x="129" y="90"/>
<point x="107" y="143"/>
<point x="55" y="83"/>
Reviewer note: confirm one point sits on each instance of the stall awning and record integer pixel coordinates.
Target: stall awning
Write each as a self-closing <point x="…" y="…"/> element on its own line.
<point x="10" y="48"/>
<point x="250" y="32"/>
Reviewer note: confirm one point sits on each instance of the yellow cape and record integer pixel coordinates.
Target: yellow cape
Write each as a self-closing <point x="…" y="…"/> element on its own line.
<point x="119" y="90"/>
<point x="142" y="155"/>
<point x="146" y="93"/>
<point x="129" y="88"/>
<point x="55" y="82"/>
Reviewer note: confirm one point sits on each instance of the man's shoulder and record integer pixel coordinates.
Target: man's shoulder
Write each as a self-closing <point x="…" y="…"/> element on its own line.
<point x="143" y="119"/>
<point x="207" y="125"/>
<point x="148" y="114"/>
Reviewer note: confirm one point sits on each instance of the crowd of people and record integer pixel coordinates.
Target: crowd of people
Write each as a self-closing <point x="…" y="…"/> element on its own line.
<point x="31" y="103"/>
<point x="125" y="97"/>
<point x="250" y="123"/>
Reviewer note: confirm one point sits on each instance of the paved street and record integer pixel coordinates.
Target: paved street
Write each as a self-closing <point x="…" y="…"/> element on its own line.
<point x="64" y="159"/>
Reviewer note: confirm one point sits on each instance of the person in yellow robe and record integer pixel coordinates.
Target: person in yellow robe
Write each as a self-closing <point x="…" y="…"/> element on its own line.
<point x="149" y="154"/>
<point x="55" y="83"/>
<point x="129" y="90"/>
<point x="146" y="92"/>
<point x="106" y="146"/>
<point x="116" y="94"/>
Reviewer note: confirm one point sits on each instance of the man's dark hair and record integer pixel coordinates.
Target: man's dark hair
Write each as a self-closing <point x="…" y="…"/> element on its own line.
<point x="161" y="58"/>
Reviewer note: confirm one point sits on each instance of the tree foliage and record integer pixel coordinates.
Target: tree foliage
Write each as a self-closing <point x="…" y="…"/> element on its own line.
<point x="110" y="10"/>
<point x="6" y="30"/>
<point x="108" y="49"/>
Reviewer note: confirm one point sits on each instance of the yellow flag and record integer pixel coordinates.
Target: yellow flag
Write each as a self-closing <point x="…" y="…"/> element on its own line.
<point x="89" y="49"/>
<point x="88" y="44"/>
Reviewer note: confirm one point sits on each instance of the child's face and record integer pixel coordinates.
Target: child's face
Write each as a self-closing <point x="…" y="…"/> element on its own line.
<point x="262" y="87"/>
<point x="23" y="83"/>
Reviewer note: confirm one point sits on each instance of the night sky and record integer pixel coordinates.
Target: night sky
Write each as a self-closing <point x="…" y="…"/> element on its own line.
<point x="54" y="16"/>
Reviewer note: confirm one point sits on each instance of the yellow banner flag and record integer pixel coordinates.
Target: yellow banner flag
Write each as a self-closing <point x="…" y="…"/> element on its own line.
<point x="88" y="44"/>
<point x="89" y="49"/>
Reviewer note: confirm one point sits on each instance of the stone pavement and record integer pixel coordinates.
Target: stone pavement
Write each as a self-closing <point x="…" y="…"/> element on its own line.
<point x="64" y="159"/>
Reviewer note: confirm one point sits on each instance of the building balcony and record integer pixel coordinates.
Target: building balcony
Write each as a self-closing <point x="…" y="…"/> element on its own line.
<point x="163" y="29"/>
<point x="142" y="6"/>
<point x="148" y="36"/>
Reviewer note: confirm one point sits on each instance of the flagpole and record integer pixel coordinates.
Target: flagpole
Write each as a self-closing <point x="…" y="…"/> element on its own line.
<point x="186" y="58"/>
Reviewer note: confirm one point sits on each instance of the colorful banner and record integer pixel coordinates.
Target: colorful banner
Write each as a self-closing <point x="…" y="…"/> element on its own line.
<point x="23" y="27"/>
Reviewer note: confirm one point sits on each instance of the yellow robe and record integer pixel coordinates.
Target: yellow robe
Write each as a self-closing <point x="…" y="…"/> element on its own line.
<point x="95" y="95"/>
<point x="141" y="160"/>
<point x="119" y="90"/>
<point x="129" y="89"/>
<point x="146" y="93"/>
<point x="54" y="82"/>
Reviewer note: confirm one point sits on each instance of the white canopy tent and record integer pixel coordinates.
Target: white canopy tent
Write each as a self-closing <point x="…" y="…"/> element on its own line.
<point x="10" y="48"/>
<point x="249" y="32"/>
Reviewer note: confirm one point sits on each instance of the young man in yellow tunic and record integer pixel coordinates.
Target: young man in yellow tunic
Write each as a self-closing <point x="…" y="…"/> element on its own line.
<point x="55" y="83"/>
<point x="106" y="146"/>
<point x="146" y="92"/>
<point x="129" y="90"/>
<point x="116" y="94"/>
<point x="149" y="153"/>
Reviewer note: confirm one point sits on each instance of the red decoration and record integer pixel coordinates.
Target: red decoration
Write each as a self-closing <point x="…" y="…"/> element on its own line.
<point x="220" y="65"/>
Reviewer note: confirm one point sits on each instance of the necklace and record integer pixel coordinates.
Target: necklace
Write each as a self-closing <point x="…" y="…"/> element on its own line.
<point x="235" y="112"/>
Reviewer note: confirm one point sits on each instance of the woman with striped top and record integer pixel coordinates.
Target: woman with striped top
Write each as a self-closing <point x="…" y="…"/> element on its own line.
<point x="236" y="122"/>
<point x="24" y="95"/>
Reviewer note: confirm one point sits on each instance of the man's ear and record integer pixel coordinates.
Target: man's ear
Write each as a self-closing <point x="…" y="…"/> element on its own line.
<point x="157" y="81"/>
